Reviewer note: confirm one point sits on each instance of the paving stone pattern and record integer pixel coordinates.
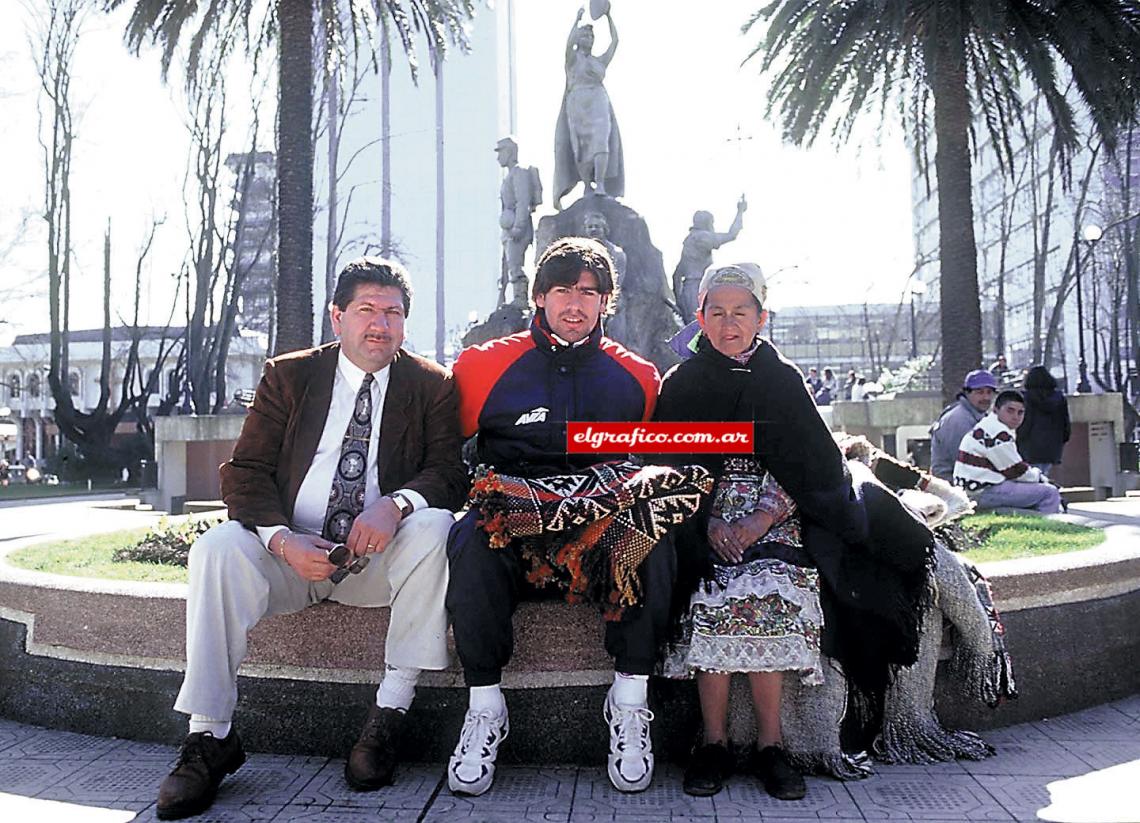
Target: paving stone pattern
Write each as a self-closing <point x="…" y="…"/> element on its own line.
<point x="97" y="775"/>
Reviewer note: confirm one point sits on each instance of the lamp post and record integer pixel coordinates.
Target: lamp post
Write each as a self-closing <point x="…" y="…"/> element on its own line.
<point x="917" y="289"/>
<point x="1092" y="234"/>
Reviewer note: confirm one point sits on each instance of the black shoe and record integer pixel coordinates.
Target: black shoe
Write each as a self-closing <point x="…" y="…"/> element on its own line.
<point x="780" y="778"/>
<point x="202" y="763"/>
<point x="372" y="761"/>
<point x="709" y="766"/>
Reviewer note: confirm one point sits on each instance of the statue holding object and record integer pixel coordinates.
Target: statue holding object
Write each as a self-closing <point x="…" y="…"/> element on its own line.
<point x="587" y="143"/>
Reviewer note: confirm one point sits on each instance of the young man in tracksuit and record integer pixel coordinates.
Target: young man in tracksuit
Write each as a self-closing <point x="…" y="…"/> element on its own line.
<point x="517" y="393"/>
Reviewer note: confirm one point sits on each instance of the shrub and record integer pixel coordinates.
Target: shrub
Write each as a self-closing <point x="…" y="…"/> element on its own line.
<point x="168" y="543"/>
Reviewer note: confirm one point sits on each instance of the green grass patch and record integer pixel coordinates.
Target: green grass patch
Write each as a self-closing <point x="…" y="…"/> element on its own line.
<point x="93" y="556"/>
<point x="998" y="537"/>
<point x="30" y="491"/>
<point x="1009" y="536"/>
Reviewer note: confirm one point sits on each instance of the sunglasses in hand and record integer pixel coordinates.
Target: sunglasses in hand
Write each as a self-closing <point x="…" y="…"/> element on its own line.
<point x="346" y="562"/>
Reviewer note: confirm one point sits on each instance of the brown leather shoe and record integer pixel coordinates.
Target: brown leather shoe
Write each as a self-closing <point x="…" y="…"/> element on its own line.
<point x="202" y="763"/>
<point x="372" y="760"/>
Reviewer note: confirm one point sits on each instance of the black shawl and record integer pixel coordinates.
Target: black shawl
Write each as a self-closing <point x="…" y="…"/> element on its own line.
<point x="872" y="556"/>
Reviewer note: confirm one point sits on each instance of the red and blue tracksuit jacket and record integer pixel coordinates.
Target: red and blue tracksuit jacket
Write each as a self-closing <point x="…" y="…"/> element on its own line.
<point x="518" y="392"/>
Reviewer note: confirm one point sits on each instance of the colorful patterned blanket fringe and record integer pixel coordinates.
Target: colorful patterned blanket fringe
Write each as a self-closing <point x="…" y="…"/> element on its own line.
<point x="589" y="532"/>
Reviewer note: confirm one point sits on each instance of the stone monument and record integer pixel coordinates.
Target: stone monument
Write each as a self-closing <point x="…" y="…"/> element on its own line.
<point x="644" y="318"/>
<point x="696" y="256"/>
<point x="587" y="143"/>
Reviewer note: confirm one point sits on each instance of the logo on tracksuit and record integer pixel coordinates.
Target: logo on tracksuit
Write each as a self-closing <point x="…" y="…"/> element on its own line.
<point x="533" y="416"/>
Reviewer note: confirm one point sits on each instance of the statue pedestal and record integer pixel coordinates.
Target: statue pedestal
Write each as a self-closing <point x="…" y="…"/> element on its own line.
<point x="502" y="322"/>
<point x="645" y="317"/>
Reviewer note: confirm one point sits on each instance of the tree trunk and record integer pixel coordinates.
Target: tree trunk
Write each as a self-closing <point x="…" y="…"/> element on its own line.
<point x="440" y="316"/>
<point x="1041" y="250"/>
<point x="332" y="106"/>
<point x="385" y="142"/>
<point x="961" y="325"/>
<point x="294" y="176"/>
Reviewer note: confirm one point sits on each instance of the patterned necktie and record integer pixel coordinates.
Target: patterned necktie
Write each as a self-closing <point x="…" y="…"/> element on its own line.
<point x="346" y="497"/>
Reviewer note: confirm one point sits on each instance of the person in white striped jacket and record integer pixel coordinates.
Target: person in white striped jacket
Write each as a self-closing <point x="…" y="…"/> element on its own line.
<point x="992" y="471"/>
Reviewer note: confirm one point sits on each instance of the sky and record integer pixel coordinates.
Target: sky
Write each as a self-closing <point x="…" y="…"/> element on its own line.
<point x="834" y="224"/>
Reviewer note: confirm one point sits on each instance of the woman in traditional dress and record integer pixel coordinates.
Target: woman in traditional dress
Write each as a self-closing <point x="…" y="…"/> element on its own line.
<point x="758" y="611"/>
<point x="777" y="516"/>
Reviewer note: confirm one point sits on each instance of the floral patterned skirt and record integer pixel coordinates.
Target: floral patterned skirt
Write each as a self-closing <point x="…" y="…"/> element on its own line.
<point x="762" y="615"/>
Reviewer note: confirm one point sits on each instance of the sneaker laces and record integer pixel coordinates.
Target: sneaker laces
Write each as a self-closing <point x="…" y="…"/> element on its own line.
<point x="632" y="723"/>
<point x="478" y="727"/>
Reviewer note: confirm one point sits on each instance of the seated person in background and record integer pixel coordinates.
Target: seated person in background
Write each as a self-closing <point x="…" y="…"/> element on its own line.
<point x="518" y="393"/>
<point x="959" y="418"/>
<point x="992" y="471"/>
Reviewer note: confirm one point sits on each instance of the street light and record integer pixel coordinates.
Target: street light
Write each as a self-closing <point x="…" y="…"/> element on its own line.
<point x="917" y="289"/>
<point x="1093" y="233"/>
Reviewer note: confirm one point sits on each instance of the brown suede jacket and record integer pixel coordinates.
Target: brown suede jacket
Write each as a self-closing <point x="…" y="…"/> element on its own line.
<point x="419" y="435"/>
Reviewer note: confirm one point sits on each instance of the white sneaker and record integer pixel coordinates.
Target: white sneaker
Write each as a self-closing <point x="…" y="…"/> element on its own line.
<point x="630" y="764"/>
<point x="471" y="769"/>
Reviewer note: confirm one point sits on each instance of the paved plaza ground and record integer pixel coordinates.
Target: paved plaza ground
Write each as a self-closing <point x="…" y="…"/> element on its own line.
<point x="1080" y="767"/>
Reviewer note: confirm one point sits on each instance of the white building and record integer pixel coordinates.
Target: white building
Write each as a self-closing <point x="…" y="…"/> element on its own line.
<point x="478" y="108"/>
<point x="26" y="397"/>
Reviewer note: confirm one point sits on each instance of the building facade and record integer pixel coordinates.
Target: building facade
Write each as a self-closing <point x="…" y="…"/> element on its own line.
<point x="254" y="240"/>
<point x="1029" y="217"/>
<point x="29" y="426"/>
<point x="867" y="338"/>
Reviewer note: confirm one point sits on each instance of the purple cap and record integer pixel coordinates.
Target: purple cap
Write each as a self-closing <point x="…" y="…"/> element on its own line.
<point x="980" y="379"/>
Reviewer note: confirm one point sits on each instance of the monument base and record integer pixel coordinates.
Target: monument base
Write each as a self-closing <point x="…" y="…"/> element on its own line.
<point x="645" y="316"/>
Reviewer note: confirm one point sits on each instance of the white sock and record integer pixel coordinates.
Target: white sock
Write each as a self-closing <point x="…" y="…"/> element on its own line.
<point x="487" y="697"/>
<point x="220" y="729"/>
<point x="630" y="689"/>
<point x="398" y="688"/>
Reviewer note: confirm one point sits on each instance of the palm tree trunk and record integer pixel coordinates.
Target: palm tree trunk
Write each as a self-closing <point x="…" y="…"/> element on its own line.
<point x="294" y="176"/>
<point x="961" y="307"/>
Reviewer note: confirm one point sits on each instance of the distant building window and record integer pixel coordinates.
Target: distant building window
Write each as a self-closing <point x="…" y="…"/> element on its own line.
<point x="34" y="384"/>
<point x="14" y="385"/>
<point x="73" y="383"/>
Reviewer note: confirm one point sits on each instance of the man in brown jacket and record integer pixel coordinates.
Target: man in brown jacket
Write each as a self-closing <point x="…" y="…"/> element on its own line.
<point x="349" y="454"/>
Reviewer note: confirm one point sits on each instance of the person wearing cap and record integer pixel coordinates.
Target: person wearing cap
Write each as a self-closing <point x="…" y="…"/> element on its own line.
<point x="993" y="472"/>
<point x="519" y="195"/>
<point x="957" y="419"/>
<point x="769" y="555"/>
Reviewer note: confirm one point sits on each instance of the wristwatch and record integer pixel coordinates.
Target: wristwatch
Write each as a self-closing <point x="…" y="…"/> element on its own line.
<point x="403" y="504"/>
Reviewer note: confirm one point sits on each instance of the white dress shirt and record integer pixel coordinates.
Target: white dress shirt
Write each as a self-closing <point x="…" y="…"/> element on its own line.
<point x="313" y="496"/>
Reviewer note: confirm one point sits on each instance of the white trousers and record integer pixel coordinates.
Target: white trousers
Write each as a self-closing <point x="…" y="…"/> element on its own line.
<point x="234" y="582"/>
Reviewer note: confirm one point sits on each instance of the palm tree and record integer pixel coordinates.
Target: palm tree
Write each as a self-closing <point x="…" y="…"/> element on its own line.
<point x="831" y="61"/>
<point x="289" y="24"/>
